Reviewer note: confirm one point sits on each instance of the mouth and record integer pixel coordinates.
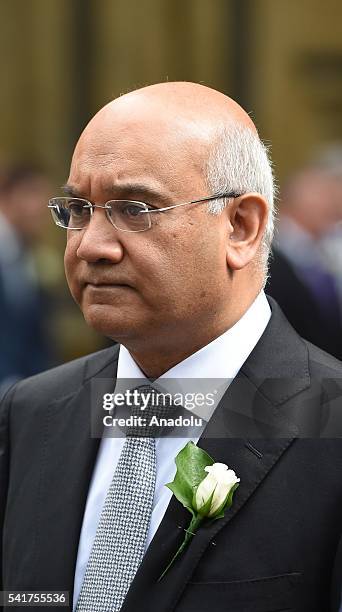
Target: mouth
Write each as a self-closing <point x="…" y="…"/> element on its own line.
<point x="106" y="286"/>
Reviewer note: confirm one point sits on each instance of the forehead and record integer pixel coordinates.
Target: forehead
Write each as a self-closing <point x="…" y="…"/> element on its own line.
<point x="123" y="149"/>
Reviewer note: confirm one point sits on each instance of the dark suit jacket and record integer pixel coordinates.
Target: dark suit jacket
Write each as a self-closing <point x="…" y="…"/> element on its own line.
<point x="25" y="347"/>
<point x="277" y="547"/>
<point x="300" y="306"/>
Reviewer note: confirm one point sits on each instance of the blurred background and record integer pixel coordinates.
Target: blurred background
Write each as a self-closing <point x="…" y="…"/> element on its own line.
<point x="61" y="60"/>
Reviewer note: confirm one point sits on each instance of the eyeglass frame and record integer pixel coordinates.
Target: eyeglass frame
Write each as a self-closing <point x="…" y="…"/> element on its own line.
<point x="230" y="195"/>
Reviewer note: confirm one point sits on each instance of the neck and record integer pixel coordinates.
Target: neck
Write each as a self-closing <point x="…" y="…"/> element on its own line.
<point x="159" y="355"/>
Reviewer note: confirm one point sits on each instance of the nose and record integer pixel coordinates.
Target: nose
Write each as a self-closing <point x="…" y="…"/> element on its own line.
<point x="100" y="240"/>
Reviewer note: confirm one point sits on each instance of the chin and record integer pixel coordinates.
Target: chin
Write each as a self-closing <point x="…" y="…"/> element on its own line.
<point x="110" y="322"/>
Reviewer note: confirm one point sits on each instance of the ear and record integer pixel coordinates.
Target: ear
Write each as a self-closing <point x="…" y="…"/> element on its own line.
<point x="247" y="222"/>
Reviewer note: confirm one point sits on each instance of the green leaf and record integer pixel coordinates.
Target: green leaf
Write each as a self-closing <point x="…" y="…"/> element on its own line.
<point x="190" y="462"/>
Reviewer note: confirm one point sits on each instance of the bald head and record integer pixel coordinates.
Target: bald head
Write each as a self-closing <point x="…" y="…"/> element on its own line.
<point x="184" y="114"/>
<point x="175" y="121"/>
<point x="191" y="103"/>
<point x="180" y="141"/>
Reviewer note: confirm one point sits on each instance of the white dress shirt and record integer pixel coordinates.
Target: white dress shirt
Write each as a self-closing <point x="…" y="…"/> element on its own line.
<point x="220" y="359"/>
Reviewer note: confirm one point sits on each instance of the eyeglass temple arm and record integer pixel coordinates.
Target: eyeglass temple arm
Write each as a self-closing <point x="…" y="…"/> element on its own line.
<point x="232" y="194"/>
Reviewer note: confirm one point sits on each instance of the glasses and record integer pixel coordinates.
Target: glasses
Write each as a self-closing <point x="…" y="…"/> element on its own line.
<point x="125" y="215"/>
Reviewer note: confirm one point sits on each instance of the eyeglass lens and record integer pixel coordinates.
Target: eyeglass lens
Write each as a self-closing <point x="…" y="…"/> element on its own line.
<point x="123" y="214"/>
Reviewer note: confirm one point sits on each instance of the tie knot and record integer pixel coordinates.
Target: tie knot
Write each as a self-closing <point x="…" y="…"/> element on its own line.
<point x="148" y="411"/>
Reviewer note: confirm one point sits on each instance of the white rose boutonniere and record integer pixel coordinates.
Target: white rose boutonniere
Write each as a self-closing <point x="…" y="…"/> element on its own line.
<point x="204" y="487"/>
<point x="217" y="486"/>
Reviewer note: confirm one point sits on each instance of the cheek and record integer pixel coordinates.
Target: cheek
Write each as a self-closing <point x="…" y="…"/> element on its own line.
<point x="200" y="249"/>
<point x="194" y="262"/>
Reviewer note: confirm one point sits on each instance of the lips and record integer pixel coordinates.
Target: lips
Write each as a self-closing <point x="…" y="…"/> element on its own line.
<point x="106" y="283"/>
<point x="106" y="286"/>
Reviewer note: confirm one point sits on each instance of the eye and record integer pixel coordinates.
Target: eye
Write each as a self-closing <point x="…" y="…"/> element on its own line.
<point x="129" y="209"/>
<point x="78" y="210"/>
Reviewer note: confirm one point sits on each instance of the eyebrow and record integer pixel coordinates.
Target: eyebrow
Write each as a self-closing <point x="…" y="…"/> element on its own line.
<point x="70" y="191"/>
<point x="141" y="188"/>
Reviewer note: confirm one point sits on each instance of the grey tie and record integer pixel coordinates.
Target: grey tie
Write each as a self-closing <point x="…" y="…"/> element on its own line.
<point x="120" y="538"/>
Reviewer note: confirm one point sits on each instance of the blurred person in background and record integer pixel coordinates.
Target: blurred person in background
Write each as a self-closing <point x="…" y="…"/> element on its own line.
<point x="25" y="350"/>
<point x="301" y="278"/>
<point x="329" y="159"/>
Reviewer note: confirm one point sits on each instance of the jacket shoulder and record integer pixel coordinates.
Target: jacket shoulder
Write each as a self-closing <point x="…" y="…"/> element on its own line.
<point x="321" y="363"/>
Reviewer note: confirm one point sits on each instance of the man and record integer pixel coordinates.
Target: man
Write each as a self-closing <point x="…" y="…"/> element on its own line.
<point x="180" y="290"/>
<point x="24" y="305"/>
<point x="310" y="210"/>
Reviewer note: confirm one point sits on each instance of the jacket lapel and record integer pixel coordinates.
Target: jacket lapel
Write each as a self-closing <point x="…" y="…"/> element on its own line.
<point x="163" y="595"/>
<point x="68" y="426"/>
<point x="249" y="432"/>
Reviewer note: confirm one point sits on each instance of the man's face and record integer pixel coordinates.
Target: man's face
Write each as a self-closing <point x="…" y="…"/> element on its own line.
<point x="161" y="284"/>
<point x="317" y="202"/>
<point x="26" y="208"/>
